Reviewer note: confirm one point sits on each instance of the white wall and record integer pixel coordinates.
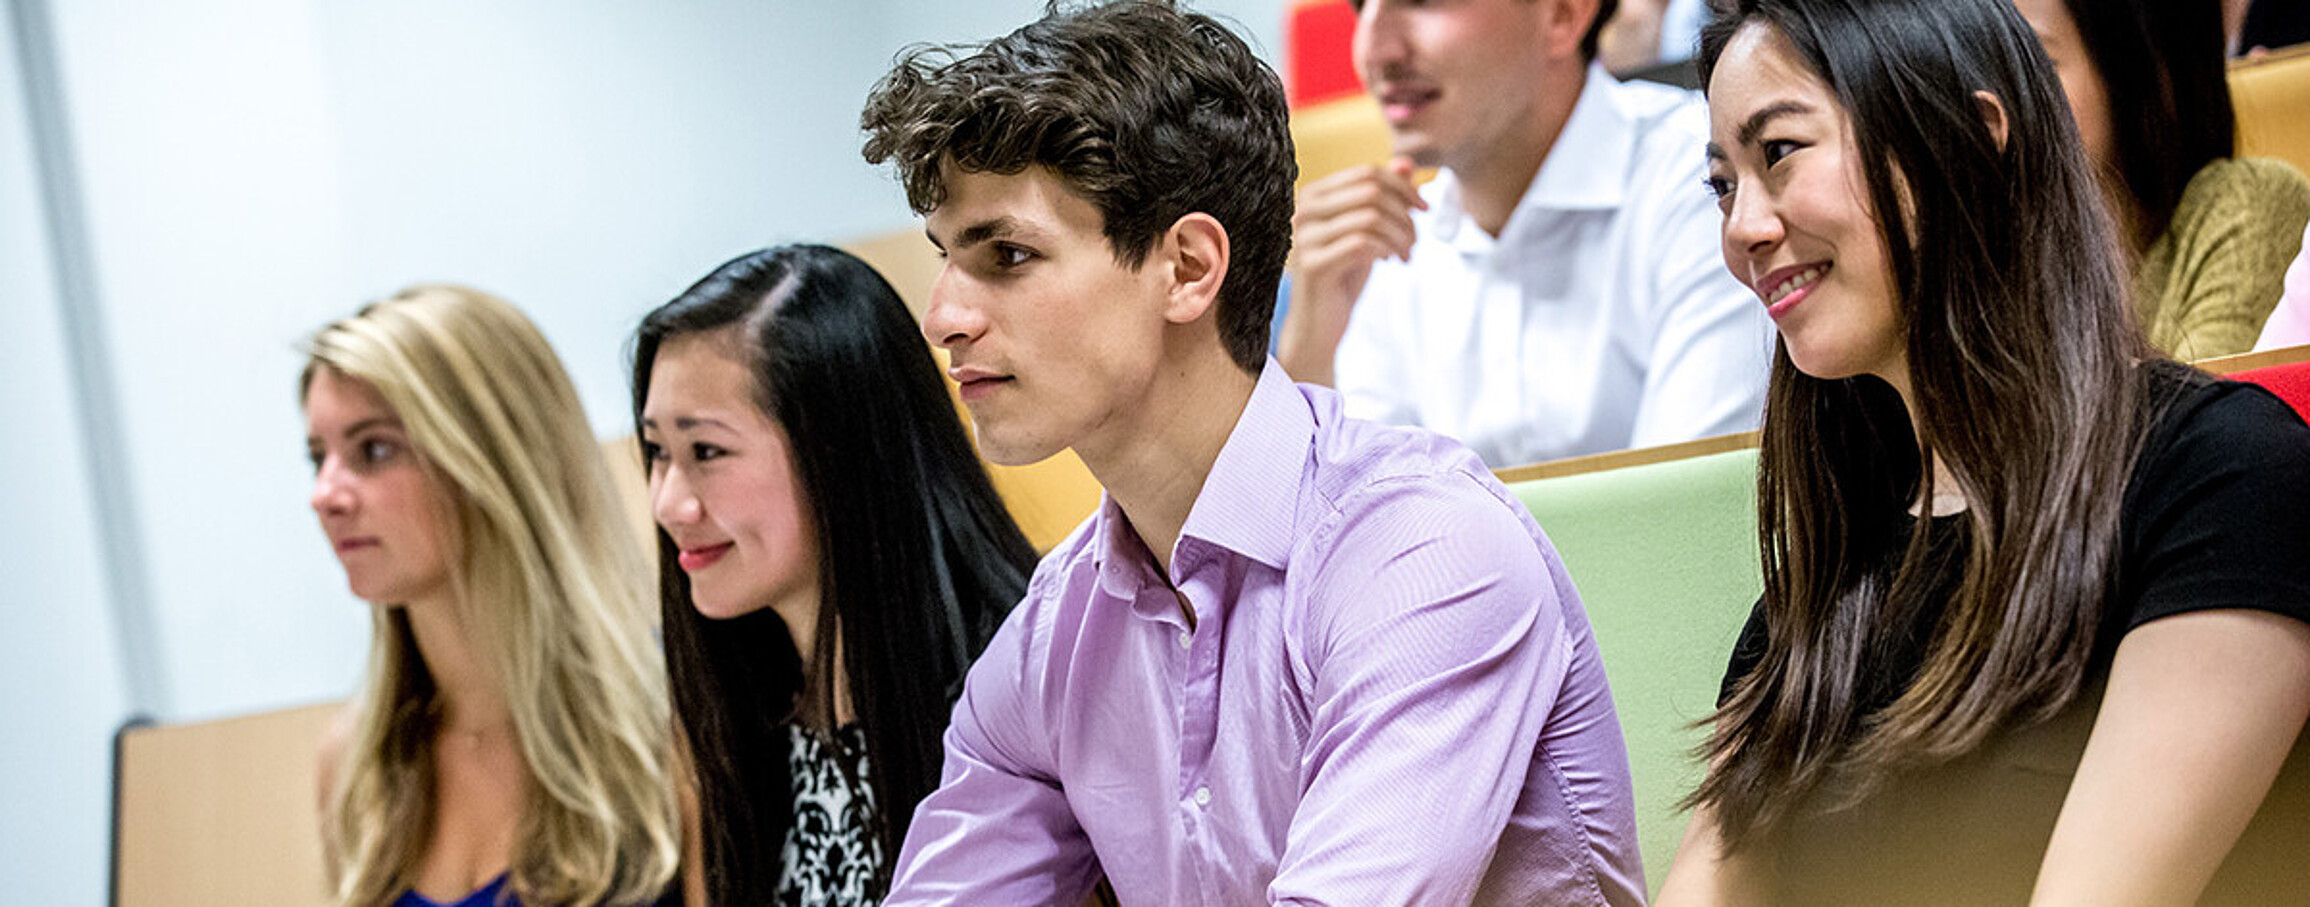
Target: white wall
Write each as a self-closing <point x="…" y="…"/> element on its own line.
<point x="59" y="663"/>
<point x="255" y="168"/>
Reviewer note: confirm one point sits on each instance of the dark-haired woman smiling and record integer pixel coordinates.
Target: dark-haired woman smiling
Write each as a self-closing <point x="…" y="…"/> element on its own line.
<point x="2036" y="620"/>
<point x="832" y="558"/>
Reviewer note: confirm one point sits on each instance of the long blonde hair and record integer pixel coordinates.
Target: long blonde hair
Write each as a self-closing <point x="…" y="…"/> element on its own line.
<point x="553" y="587"/>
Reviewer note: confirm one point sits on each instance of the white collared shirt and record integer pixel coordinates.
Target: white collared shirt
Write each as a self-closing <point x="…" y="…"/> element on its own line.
<point x="1601" y="318"/>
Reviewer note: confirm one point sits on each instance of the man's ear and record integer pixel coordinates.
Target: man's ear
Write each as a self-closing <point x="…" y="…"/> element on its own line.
<point x="1564" y="22"/>
<point x="1194" y="255"/>
<point x="1992" y="115"/>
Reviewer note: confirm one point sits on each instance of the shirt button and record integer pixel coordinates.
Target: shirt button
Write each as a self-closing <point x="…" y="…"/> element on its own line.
<point x="1203" y="796"/>
<point x="1186" y="639"/>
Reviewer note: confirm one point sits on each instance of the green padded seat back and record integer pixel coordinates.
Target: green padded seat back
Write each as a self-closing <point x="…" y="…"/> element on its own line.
<point x="1665" y="556"/>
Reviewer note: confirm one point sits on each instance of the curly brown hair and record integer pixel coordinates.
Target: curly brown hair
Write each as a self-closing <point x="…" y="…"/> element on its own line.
<point x="1147" y="111"/>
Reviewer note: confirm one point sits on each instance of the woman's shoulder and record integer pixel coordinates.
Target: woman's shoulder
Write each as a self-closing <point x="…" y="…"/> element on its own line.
<point x="2207" y="426"/>
<point x="2215" y="413"/>
<point x="2243" y="189"/>
<point x="2214" y="515"/>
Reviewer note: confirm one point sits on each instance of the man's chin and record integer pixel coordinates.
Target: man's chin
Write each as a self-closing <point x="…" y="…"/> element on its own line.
<point x="1006" y="451"/>
<point x="1001" y="456"/>
<point x="1413" y="141"/>
<point x="1425" y="154"/>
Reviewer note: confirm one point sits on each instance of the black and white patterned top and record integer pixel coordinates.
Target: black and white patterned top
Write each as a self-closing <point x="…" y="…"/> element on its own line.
<point x="831" y="851"/>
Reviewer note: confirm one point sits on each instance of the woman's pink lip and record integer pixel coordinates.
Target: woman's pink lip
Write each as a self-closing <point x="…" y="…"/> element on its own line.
<point x="696" y="559"/>
<point x="1783" y="275"/>
<point x="1789" y="302"/>
<point x="345" y="545"/>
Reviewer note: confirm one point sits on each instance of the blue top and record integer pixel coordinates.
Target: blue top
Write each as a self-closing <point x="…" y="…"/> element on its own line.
<point x="486" y="896"/>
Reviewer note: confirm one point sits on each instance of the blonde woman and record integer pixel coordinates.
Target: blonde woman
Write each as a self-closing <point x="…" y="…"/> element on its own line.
<point x="510" y="742"/>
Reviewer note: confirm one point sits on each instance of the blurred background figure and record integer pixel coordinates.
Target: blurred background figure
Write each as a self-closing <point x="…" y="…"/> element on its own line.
<point x="2289" y="323"/>
<point x="1653" y="39"/>
<point x="2253" y="28"/>
<point x="509" y="743"/>
<point x="1555" y="290"/>
<point x="2208" y="235"/>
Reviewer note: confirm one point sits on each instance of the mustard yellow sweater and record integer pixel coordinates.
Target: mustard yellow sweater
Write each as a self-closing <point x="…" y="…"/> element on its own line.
<point x="2205" y="287"/>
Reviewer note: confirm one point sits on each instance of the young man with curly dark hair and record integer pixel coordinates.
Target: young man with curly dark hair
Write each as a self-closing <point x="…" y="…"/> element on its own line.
<point x="1294" y="658"/>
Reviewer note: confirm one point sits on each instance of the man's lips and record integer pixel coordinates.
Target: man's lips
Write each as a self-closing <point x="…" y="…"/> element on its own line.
<point x="974" y="383"/>
<point x="696" y="559"/>
<point x="1398" y="103"/>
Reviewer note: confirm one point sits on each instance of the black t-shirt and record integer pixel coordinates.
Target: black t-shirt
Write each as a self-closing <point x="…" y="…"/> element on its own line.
<point x="2217" y="515"/>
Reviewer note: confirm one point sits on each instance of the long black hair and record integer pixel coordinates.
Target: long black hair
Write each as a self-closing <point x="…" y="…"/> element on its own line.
<point x="2009" y="285"/>
<point x="2167" y="83"/>
<point x="919" y="562"/>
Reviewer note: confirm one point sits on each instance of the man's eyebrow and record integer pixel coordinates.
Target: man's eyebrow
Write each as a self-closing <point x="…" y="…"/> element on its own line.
<point x="1003" y="227"/>
<point x="1757" y="121"/>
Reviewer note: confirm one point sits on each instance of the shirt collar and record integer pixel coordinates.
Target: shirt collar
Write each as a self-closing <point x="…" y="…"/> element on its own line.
<point x="1584" y="169"/>
<point x="1117" y="555"/>
<point x="1588" y="163"/>
<point x="1249" y="502"/>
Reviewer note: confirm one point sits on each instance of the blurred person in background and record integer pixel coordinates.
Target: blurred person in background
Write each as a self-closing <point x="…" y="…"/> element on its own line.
<point x="2207" y="234"/>
<point x="1554" y="290"/>
<point x="510" y="742"/>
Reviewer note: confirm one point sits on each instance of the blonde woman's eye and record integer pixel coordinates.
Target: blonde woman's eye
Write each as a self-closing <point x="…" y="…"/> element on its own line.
<point x="378" y="451"/>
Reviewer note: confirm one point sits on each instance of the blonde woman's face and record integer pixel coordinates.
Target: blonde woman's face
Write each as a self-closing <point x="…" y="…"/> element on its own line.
<point x="381" y="512"/>
<point x="723" y="487"/>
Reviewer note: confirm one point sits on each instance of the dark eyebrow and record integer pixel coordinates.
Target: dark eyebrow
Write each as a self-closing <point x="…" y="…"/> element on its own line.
<point x="994" y="228"/>
<point x="686" y="423"/>
<point x="1757" y="121"/>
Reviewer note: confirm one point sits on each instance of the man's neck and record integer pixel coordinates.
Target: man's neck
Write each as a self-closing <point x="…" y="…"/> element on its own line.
<point x="1155" y="472"/>
<point x="1494" y="179"/>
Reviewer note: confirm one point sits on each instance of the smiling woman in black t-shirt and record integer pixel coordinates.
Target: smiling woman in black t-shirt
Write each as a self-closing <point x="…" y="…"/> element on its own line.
<point x="2036" y="622"/>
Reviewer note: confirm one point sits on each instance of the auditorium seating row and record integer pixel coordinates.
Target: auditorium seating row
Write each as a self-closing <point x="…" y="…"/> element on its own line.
<point x="1661" y="541"/>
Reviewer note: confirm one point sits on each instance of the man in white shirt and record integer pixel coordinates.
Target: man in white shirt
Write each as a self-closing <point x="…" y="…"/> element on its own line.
<point x="1558" y="289"/>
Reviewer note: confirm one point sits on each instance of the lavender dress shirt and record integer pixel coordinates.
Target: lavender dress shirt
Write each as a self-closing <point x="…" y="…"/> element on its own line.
<point x="1390" y="695"/>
